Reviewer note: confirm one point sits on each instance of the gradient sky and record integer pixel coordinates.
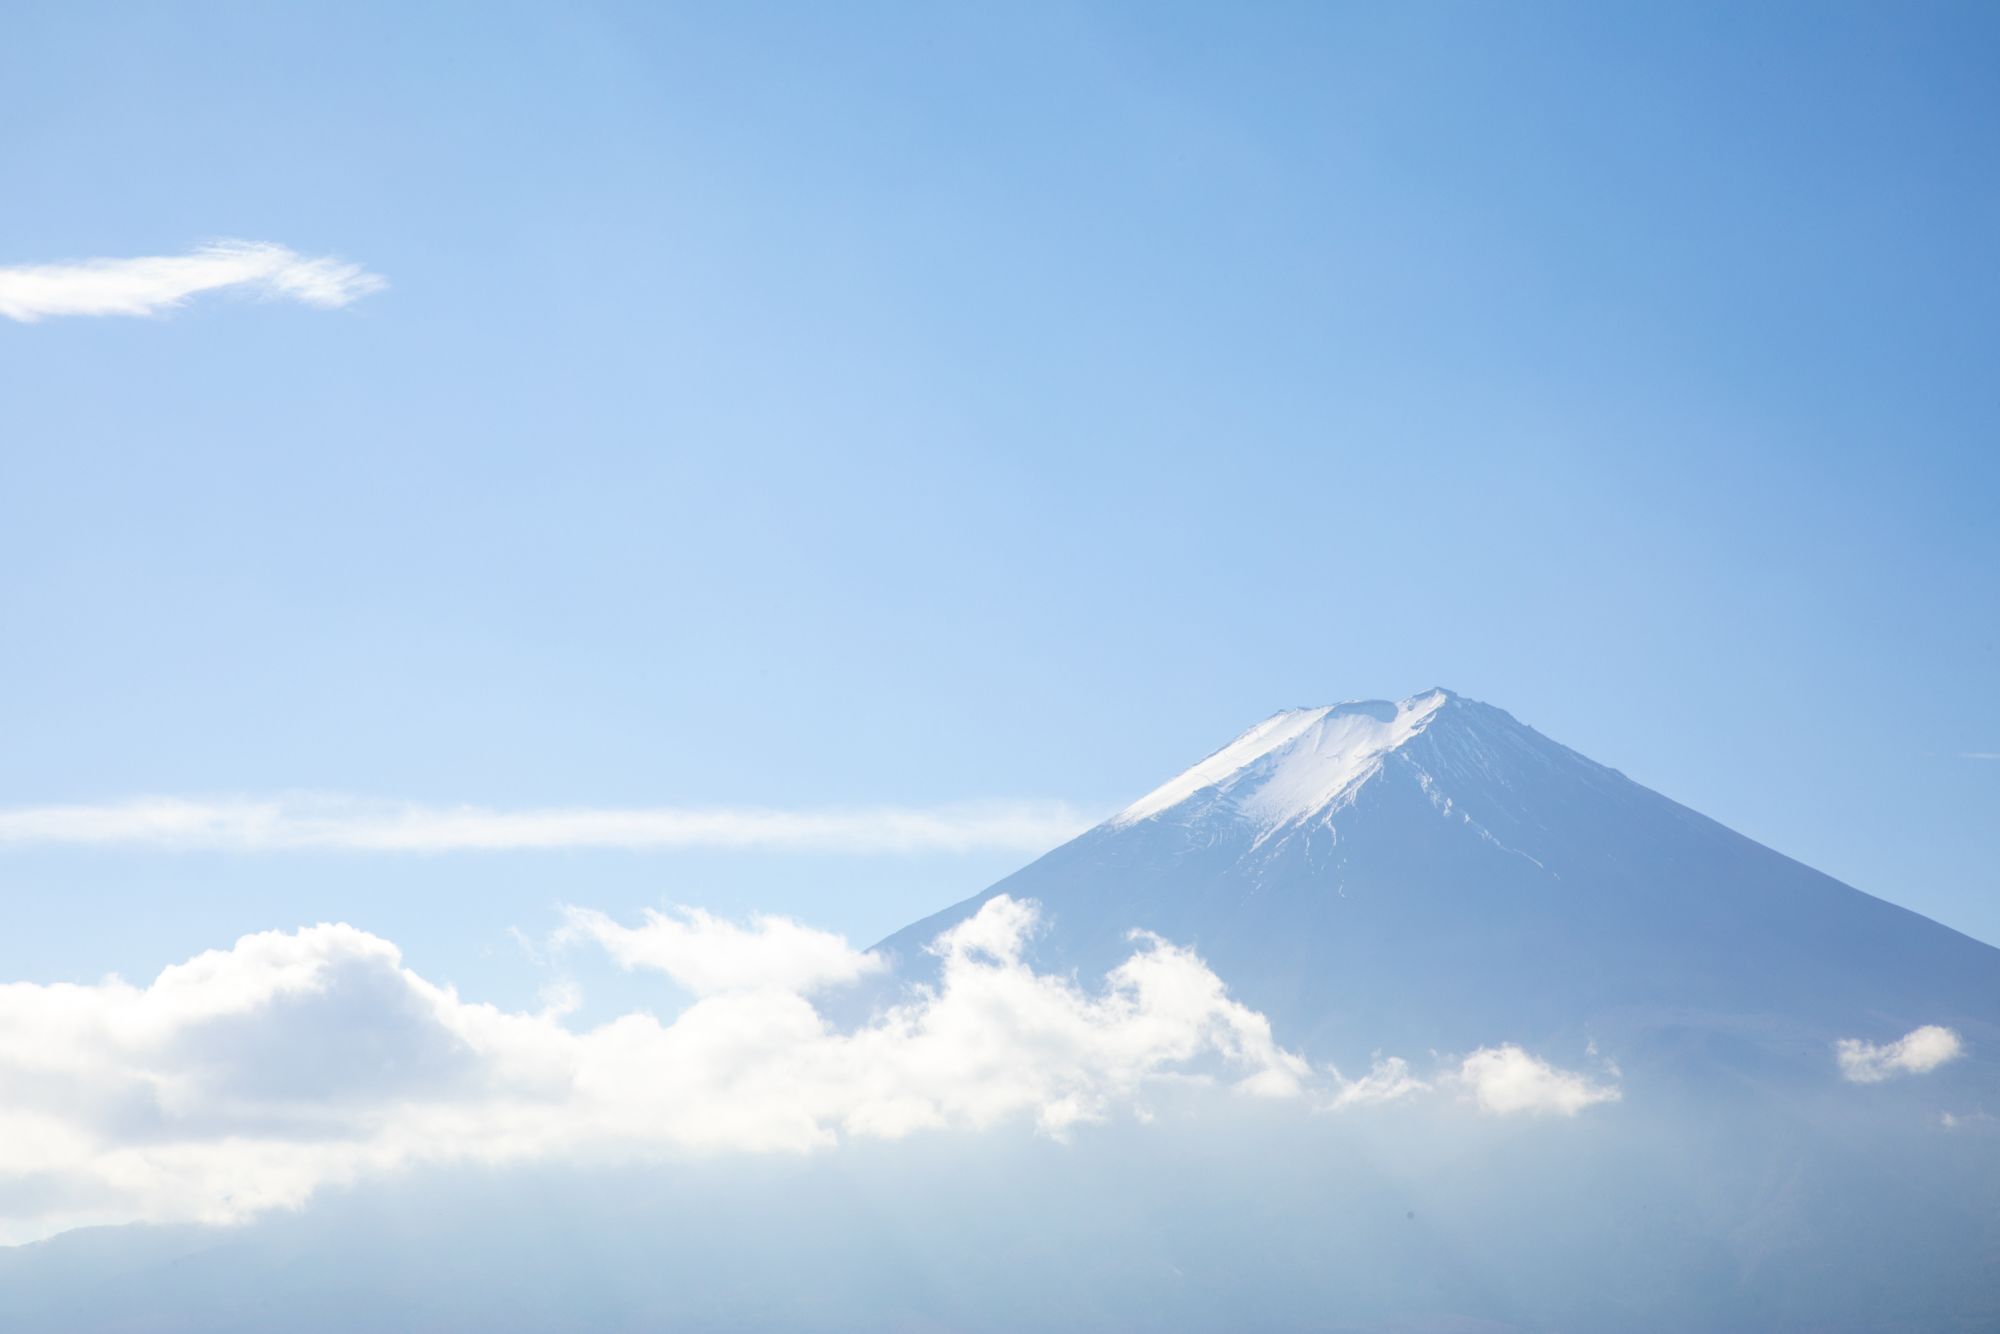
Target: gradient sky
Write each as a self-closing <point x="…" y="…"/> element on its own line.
<point x="810" y="405"/>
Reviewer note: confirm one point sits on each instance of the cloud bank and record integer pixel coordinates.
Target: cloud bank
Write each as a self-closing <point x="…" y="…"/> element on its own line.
<point x="247" y="1078"/>
<point x="1917" y="1052"/>
<point x="351" y="825"/>
<point x="155" y="284"/>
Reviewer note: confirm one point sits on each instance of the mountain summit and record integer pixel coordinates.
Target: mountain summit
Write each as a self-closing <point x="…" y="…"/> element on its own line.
<point x="1295" y="766"/>
<point x="1433" y="874"/>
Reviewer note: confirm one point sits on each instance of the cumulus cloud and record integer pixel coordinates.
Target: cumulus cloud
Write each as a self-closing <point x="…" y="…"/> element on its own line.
<point x="1917" y="1052"/>
<point x="1506" y="1080"/>
<point x="349" y="824"/>
<point x="249" y="1077"/>
<point x="710" y="955"/>
<point x="155" y="284"/>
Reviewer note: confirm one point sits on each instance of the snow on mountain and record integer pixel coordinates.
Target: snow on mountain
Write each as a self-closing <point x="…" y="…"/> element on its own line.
<point x="1294" y="765"/>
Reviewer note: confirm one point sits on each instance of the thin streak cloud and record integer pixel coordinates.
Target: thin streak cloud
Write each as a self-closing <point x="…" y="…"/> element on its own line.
<point x="156" y="284"/>
<point x="309" y="824"/>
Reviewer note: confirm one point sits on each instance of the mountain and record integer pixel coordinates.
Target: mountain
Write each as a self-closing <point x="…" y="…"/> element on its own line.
<point x="1435" y="875"/>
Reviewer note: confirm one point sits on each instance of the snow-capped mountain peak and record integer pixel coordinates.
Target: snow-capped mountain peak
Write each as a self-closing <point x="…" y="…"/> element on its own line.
<point x="1293" y="765"/>
<point x="1435" y="873"/>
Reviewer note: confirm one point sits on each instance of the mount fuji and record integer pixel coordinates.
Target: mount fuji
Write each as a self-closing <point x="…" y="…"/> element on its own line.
<point x="1433" y="874"/>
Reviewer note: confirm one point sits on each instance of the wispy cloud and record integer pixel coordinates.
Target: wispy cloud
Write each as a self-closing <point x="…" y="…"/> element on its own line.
<point x="1917" y="1052"/>
<point x="1388" y="1080"/>
<point x="293" y="824"/>
<point x="154" y="284"/>
<point x="1979" y="754"/>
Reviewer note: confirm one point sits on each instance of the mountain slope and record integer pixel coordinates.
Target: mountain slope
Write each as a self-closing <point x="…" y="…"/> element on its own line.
<point x="1432" y="874"/>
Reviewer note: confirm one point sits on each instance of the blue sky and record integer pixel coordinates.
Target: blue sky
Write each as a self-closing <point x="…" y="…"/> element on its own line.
<point x="827" y="406"/>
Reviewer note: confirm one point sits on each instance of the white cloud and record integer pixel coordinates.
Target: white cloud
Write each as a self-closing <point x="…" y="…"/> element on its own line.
<point x="1917" y="1052"/>
<point x="1505" y="1080"/>
<point x="710" y="956"/>
<point x="247" y="1078"/>
<point x="154" y="284"/>
<point x="353" y="825"/>
<point x="1388" y="1080"/>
